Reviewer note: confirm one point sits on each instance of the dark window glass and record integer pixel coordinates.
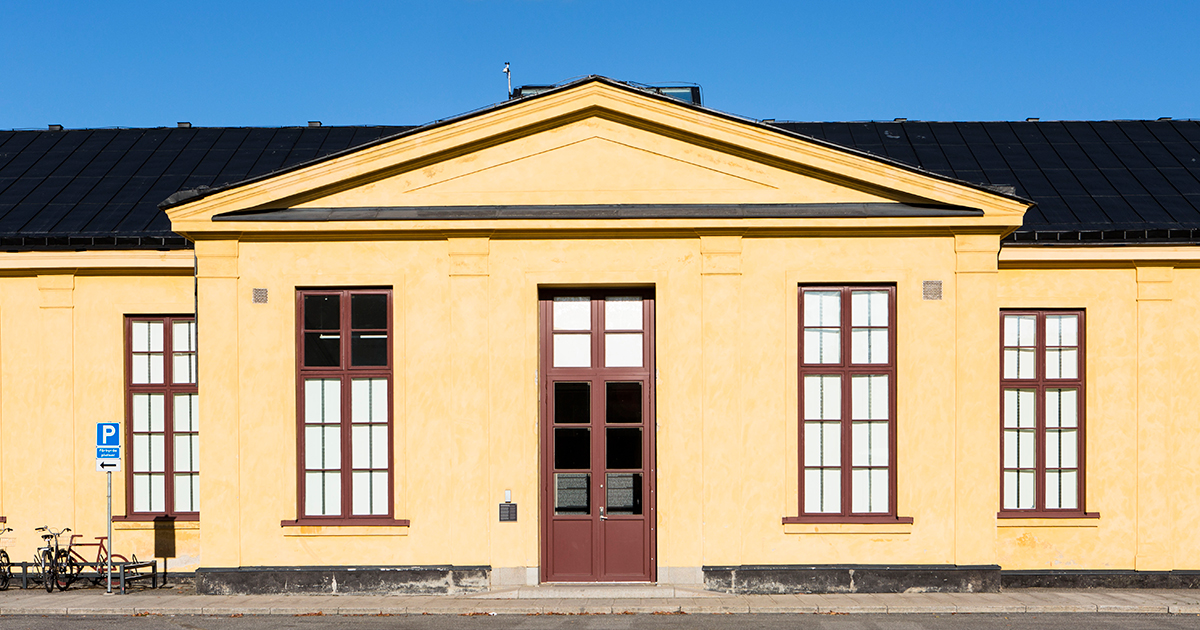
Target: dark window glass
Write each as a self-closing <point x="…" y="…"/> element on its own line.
<point x="624" y="403"/>
<point x="572" y="493"/>
<point x="368" y="348"/>
<point x="572" y="403"/>
<point x="368" y="312"/>
<point x="623" y="493"/>
<point x="322" y="349"/>
<point x="322" y="312"/>
<point x="624" y="448"/>
<point x="572" y="449"/>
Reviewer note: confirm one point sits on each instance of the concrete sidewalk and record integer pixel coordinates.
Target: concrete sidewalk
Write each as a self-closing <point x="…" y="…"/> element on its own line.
<point x="599" y="600"/>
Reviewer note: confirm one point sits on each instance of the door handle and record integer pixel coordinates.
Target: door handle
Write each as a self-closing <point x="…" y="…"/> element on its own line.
<point x="602" y="516"/>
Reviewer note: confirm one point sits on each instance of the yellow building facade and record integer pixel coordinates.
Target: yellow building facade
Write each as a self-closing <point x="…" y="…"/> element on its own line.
<point x="795" y="366"/>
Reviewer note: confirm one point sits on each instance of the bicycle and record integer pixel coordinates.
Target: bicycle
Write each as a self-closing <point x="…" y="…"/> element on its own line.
<point x="74" y="562"/>
<point x="47" y="558"/>
<point x="5" y="564"/>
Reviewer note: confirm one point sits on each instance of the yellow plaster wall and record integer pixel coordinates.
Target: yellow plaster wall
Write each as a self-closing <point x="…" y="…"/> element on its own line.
<point x="61" y="372"/>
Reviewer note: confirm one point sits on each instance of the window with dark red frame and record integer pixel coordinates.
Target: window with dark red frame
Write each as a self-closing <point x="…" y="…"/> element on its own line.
<point x="1041" y="410"/>
<point x="847" y="404"/>
<point x="345" y="404"/>
<point x="161" y="418"/>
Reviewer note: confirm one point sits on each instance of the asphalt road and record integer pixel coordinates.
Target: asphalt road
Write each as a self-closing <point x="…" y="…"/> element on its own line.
<point x="615" y="622"/>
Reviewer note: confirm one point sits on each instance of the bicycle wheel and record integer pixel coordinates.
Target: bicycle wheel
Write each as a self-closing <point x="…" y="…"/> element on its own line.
<point x="5" y="570"/>
<point x="47" y="562"/>
<point x="65" y="568"/>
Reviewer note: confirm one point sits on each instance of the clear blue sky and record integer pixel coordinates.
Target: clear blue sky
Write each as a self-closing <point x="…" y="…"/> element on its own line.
<point x="237" y="63"/>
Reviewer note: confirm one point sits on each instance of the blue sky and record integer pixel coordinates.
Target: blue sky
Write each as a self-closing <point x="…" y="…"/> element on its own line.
<point x="238" y="63"/>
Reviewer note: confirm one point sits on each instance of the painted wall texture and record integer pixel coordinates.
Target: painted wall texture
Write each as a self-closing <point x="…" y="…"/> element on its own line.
<point x="466" y="350"/>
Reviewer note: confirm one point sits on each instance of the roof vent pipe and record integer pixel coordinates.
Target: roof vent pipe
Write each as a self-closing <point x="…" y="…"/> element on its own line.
<point x="184" y="125"/>
<point x="314" y="123"/>
<point x="1032" y="119"/>
<point x="55" y="127"/>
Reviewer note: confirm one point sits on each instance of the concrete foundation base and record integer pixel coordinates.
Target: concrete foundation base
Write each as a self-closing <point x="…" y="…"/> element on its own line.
<point x="1100" y="579"/>
<point x="853" y="579"/>
<point x="272" y="580"/>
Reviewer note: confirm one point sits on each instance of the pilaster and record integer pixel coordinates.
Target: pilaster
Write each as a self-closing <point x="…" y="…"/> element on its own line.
<point x="977" y="391"/>
<point x="56" y="389"/>
<point x="1154" y="332"/>
<point x="221" y="500"/>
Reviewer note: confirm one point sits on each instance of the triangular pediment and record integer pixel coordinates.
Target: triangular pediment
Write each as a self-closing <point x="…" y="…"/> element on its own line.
<point x="592" y="144"/>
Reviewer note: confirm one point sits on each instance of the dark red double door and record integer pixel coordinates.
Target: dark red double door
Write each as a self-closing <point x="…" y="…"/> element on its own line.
<point x="597" y="436"/>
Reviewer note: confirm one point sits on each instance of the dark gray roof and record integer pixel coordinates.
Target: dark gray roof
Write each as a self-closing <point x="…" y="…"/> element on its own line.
<point x="1103" y="181"/>
<point x="100" y="188"/>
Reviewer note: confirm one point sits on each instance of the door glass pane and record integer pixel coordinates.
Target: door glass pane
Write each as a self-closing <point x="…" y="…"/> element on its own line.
<point x="623" y="493"/>
<point x="572" y="313"/>
<point x="623" y="313"/>
<point x="368" y="348"/>
<point x="322" y="312"/>
<point x="368" y="311"/>
<point x="623" y="350"/>
<point x="623" y="403"/>
<point x="624" y="448"/>
<point x="823" y="397"/>
<point x="322" y="401"/>
<point x="572" y="350"/>
<point x="368" y="400"/>
<point x="572" y="449"/>
<point x="572" y="403"/>
<point x="572" y="493"/>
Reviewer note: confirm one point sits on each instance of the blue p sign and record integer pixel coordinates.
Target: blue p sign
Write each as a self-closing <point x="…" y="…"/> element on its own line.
<point x="108" y="434"/>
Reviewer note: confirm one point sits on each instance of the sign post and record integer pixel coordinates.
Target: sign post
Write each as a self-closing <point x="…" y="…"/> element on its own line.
<point x="108" y="459"/>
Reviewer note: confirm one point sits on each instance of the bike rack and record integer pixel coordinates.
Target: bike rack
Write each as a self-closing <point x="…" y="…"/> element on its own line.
<point x="125" y="572"/>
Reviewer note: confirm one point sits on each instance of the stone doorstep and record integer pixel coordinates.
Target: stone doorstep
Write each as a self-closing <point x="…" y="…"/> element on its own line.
<point x="598" y="591"/>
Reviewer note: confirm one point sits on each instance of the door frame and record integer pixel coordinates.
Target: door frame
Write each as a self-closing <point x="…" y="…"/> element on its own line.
<point x="546" y="424"/>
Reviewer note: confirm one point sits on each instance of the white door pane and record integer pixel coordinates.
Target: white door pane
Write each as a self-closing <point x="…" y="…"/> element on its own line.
<point x="869" y="443"/>
<point x="183" y="337"/>
<point x="623" y="350"/>
<point x="869" y="491"/>
<point x="1061" y="449"/>
<point x="1020" y="408"/>
<point x="869" y="346"/>
<point x="1025" y="443"/>
<point x="1020" y="330"/>
<point x="322" y="401"/>
<point x="822" y="491"/>
<point x="158" y="452"/>
<point x="822" y="444"/>
<point x="823" y="397"/>
<point x="158" y="493"/>
<point x="572" y="350"/>
<point x="623" y="313"/>
<point x="141" y="493"/>
<point x="572" y="313"/>
<point x="822" y="308"/>
<point x="147" y="336"/>
<point x="1062" y="363"/>
<point x="322" y="447"/>
<point x="368" y="400"/>
<point x="869" y="397"/>
<point x="822" y="345"/>
<point x="183" y="370"/>
<point x="1062" y="330"/>
<point x="869" y="308"/>
<point x="187" y="412"/>
<point x="1062" y="408"/>
<point x="141" y="453"/>
<point x="185" y="497"/>
<point x="369" y="446"/>
<point x="147" y="369"/>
